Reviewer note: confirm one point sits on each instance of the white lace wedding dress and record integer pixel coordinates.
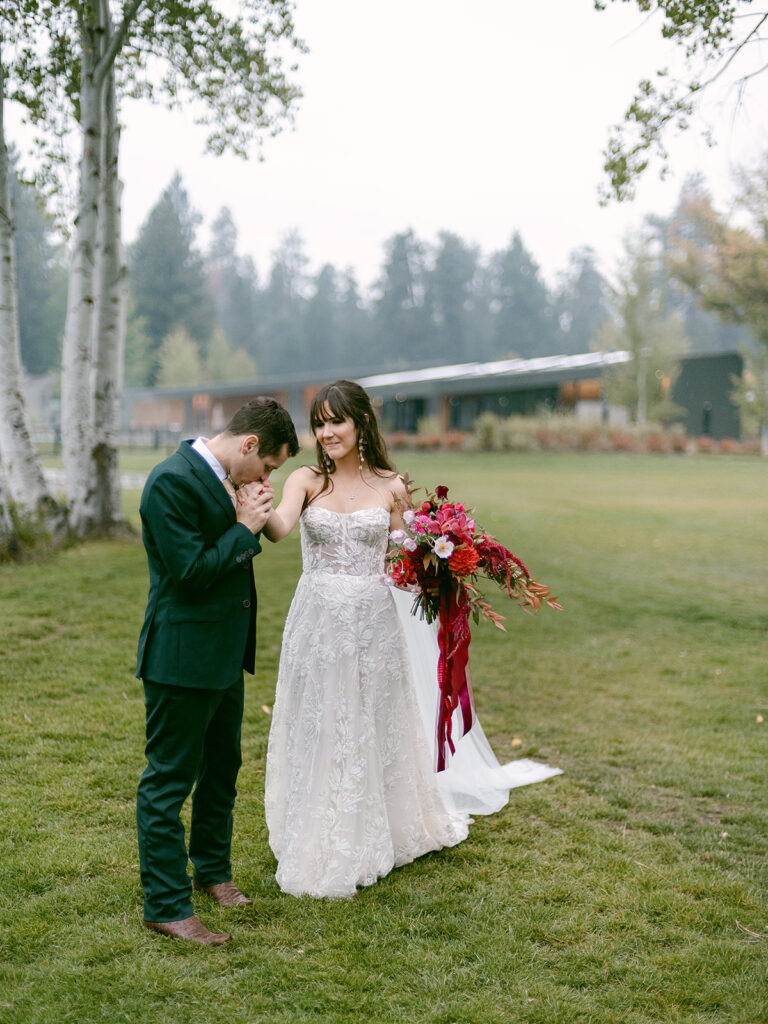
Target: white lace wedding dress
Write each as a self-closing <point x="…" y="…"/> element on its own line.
<point x="350" y="786"/>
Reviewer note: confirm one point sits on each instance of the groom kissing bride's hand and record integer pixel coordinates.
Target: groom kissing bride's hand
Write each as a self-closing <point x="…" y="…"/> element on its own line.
<point x="253" y="504"/>
<point x="202" y="511"/>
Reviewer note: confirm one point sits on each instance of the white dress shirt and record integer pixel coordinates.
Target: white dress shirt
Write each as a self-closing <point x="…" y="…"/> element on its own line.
<point x="202" y="449"/>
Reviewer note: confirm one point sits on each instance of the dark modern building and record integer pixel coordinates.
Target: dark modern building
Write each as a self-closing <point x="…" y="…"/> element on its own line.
<point x="453" y="396"/>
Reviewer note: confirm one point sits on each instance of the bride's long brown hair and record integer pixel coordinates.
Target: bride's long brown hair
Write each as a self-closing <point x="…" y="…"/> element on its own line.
<point x="346" y="400"/>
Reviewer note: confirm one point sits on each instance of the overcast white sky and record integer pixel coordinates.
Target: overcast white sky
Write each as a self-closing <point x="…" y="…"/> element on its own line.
<point x="478" y="116"/>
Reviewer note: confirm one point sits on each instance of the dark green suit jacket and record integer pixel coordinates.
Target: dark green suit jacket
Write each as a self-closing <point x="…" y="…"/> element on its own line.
<point x="200" y="625"/>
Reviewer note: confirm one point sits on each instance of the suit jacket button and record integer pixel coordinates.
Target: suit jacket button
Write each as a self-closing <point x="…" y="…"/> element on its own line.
<point x="246" y="603"/>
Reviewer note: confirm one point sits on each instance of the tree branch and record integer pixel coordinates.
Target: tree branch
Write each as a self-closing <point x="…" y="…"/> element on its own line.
<point x="735" y="52"/>
<point x="705" y="32"/>
<point x="117" y="38"/>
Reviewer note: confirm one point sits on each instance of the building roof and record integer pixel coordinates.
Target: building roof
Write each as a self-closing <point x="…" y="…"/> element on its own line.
<point x="504" y="374"/>
<point x="510" y="368"/>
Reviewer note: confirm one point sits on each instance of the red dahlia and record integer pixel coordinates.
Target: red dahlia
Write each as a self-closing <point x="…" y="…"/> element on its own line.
<point x="463" y="561"/>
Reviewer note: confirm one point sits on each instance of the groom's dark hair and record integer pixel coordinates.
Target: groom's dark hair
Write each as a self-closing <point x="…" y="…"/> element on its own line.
<point x="268" y="419"/>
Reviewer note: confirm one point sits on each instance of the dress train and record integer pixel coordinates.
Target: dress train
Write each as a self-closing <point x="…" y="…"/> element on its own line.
<point x="474" y="782"/>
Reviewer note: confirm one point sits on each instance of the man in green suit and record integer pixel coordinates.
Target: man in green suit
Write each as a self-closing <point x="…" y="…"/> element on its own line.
<point x="201" y="531"/>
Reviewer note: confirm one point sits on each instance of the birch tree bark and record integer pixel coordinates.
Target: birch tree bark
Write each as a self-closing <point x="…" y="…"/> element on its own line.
<point x="77" y="349"/>
<point x="26" y="485"/>
<point x="9" y="542"/>
<point x="109" y="341"/>
<point x="92" y="352"/>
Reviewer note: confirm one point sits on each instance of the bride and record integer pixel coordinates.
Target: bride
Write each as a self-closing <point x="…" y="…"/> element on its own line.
<point x="350" y="788"/>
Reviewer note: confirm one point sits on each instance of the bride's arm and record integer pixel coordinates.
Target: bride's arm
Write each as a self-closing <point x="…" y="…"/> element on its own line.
<point x="400" y="502"/>
<point x="295" y="493"/>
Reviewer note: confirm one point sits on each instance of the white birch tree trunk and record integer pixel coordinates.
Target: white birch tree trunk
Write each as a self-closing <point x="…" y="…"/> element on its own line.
<point x="26" y="485"/>
<point x="9" y="542"/>
<point x="110" y="323"/>
<point x="92" y="355"/>
<point x="77" y="349"/>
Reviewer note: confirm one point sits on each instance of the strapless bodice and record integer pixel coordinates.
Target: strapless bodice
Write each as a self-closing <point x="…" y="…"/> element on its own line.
<point x="349" y="543"/>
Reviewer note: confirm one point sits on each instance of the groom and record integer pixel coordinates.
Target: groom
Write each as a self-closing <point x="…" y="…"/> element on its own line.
<point x="200" y="535"/>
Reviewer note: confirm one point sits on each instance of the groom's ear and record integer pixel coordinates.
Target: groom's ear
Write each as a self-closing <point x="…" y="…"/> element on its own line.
<point x="250" y="444"/>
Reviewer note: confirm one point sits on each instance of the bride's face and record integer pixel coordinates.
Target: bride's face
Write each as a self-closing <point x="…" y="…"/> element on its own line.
<point x="337" y="436"/>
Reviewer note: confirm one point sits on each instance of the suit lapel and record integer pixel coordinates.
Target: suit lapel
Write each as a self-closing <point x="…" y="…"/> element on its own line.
<point x="207" y="477"/>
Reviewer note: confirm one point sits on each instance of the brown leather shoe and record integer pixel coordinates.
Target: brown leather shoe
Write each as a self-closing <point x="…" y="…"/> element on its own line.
<point x="226" y="894"/>
<point x="190" y="928"/>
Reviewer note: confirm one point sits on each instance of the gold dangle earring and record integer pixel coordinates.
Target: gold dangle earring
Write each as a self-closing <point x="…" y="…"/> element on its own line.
<point x="361" y="449"/>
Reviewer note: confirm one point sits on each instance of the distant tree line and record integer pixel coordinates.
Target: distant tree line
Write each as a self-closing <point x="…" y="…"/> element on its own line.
<point x="197" y="315"/>
<point x="431" y="304"/>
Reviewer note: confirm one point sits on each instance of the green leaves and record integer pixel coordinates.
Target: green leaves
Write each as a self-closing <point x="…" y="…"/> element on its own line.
<point x="184" y="50"/>
<point x="716" y="39"/>
<point x="234" y="66"/>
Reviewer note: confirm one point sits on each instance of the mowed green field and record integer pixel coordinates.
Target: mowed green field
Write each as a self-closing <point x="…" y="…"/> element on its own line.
<point x="630" y="889"/>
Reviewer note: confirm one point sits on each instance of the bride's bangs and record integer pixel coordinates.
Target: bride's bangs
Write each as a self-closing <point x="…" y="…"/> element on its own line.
<point x="330" y="399"/>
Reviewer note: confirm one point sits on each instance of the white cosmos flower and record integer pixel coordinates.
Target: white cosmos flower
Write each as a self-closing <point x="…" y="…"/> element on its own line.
<point x="443" y="547"/>
<point x="408" y="516"/>
<point x="398" y="536"/>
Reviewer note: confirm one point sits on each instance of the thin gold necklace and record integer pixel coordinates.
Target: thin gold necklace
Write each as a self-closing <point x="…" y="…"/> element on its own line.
<point x="351" y="497"/>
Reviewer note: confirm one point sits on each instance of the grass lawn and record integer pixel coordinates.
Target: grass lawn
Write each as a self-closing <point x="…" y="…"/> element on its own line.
<point x="631" y="889"/>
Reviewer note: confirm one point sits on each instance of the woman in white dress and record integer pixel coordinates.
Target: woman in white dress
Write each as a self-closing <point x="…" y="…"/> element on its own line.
<point x="350" y="787"/>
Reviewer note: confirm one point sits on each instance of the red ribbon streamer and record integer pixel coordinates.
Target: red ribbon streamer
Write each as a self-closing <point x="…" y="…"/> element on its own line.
<point x="453" y="638"/>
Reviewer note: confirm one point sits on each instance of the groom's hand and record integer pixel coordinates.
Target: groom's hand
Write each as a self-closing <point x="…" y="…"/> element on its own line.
<point x="253" y="505"/>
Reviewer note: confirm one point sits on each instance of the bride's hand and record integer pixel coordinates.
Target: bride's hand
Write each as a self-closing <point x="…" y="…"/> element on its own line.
<point x="255" y="487"/>
<point x="253" y="504"/>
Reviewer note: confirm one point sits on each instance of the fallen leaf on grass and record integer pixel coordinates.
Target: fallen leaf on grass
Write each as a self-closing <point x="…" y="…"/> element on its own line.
<point x="647" y="867"/>
<point x="517" y="742"/>
<point x="266" y="709"/>
<point x="759" y="718"/>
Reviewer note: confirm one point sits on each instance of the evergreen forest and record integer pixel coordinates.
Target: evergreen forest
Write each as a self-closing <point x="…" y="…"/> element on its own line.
<point x="204" y="313"/>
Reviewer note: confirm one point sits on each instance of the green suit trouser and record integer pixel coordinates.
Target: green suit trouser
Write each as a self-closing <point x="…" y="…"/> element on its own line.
<point x="193" y="740"/>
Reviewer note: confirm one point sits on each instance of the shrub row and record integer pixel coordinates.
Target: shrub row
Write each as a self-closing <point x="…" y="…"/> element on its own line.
<point x="565" y="433"/>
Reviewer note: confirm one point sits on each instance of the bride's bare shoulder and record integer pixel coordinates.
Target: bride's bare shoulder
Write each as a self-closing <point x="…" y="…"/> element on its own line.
<point x="308" y="480"/>
<point x="398" y="489"/>
<point x="309" y="473"/>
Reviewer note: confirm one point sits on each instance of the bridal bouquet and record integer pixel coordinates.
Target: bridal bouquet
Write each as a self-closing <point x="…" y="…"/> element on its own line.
<point x="440" y="555"/>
